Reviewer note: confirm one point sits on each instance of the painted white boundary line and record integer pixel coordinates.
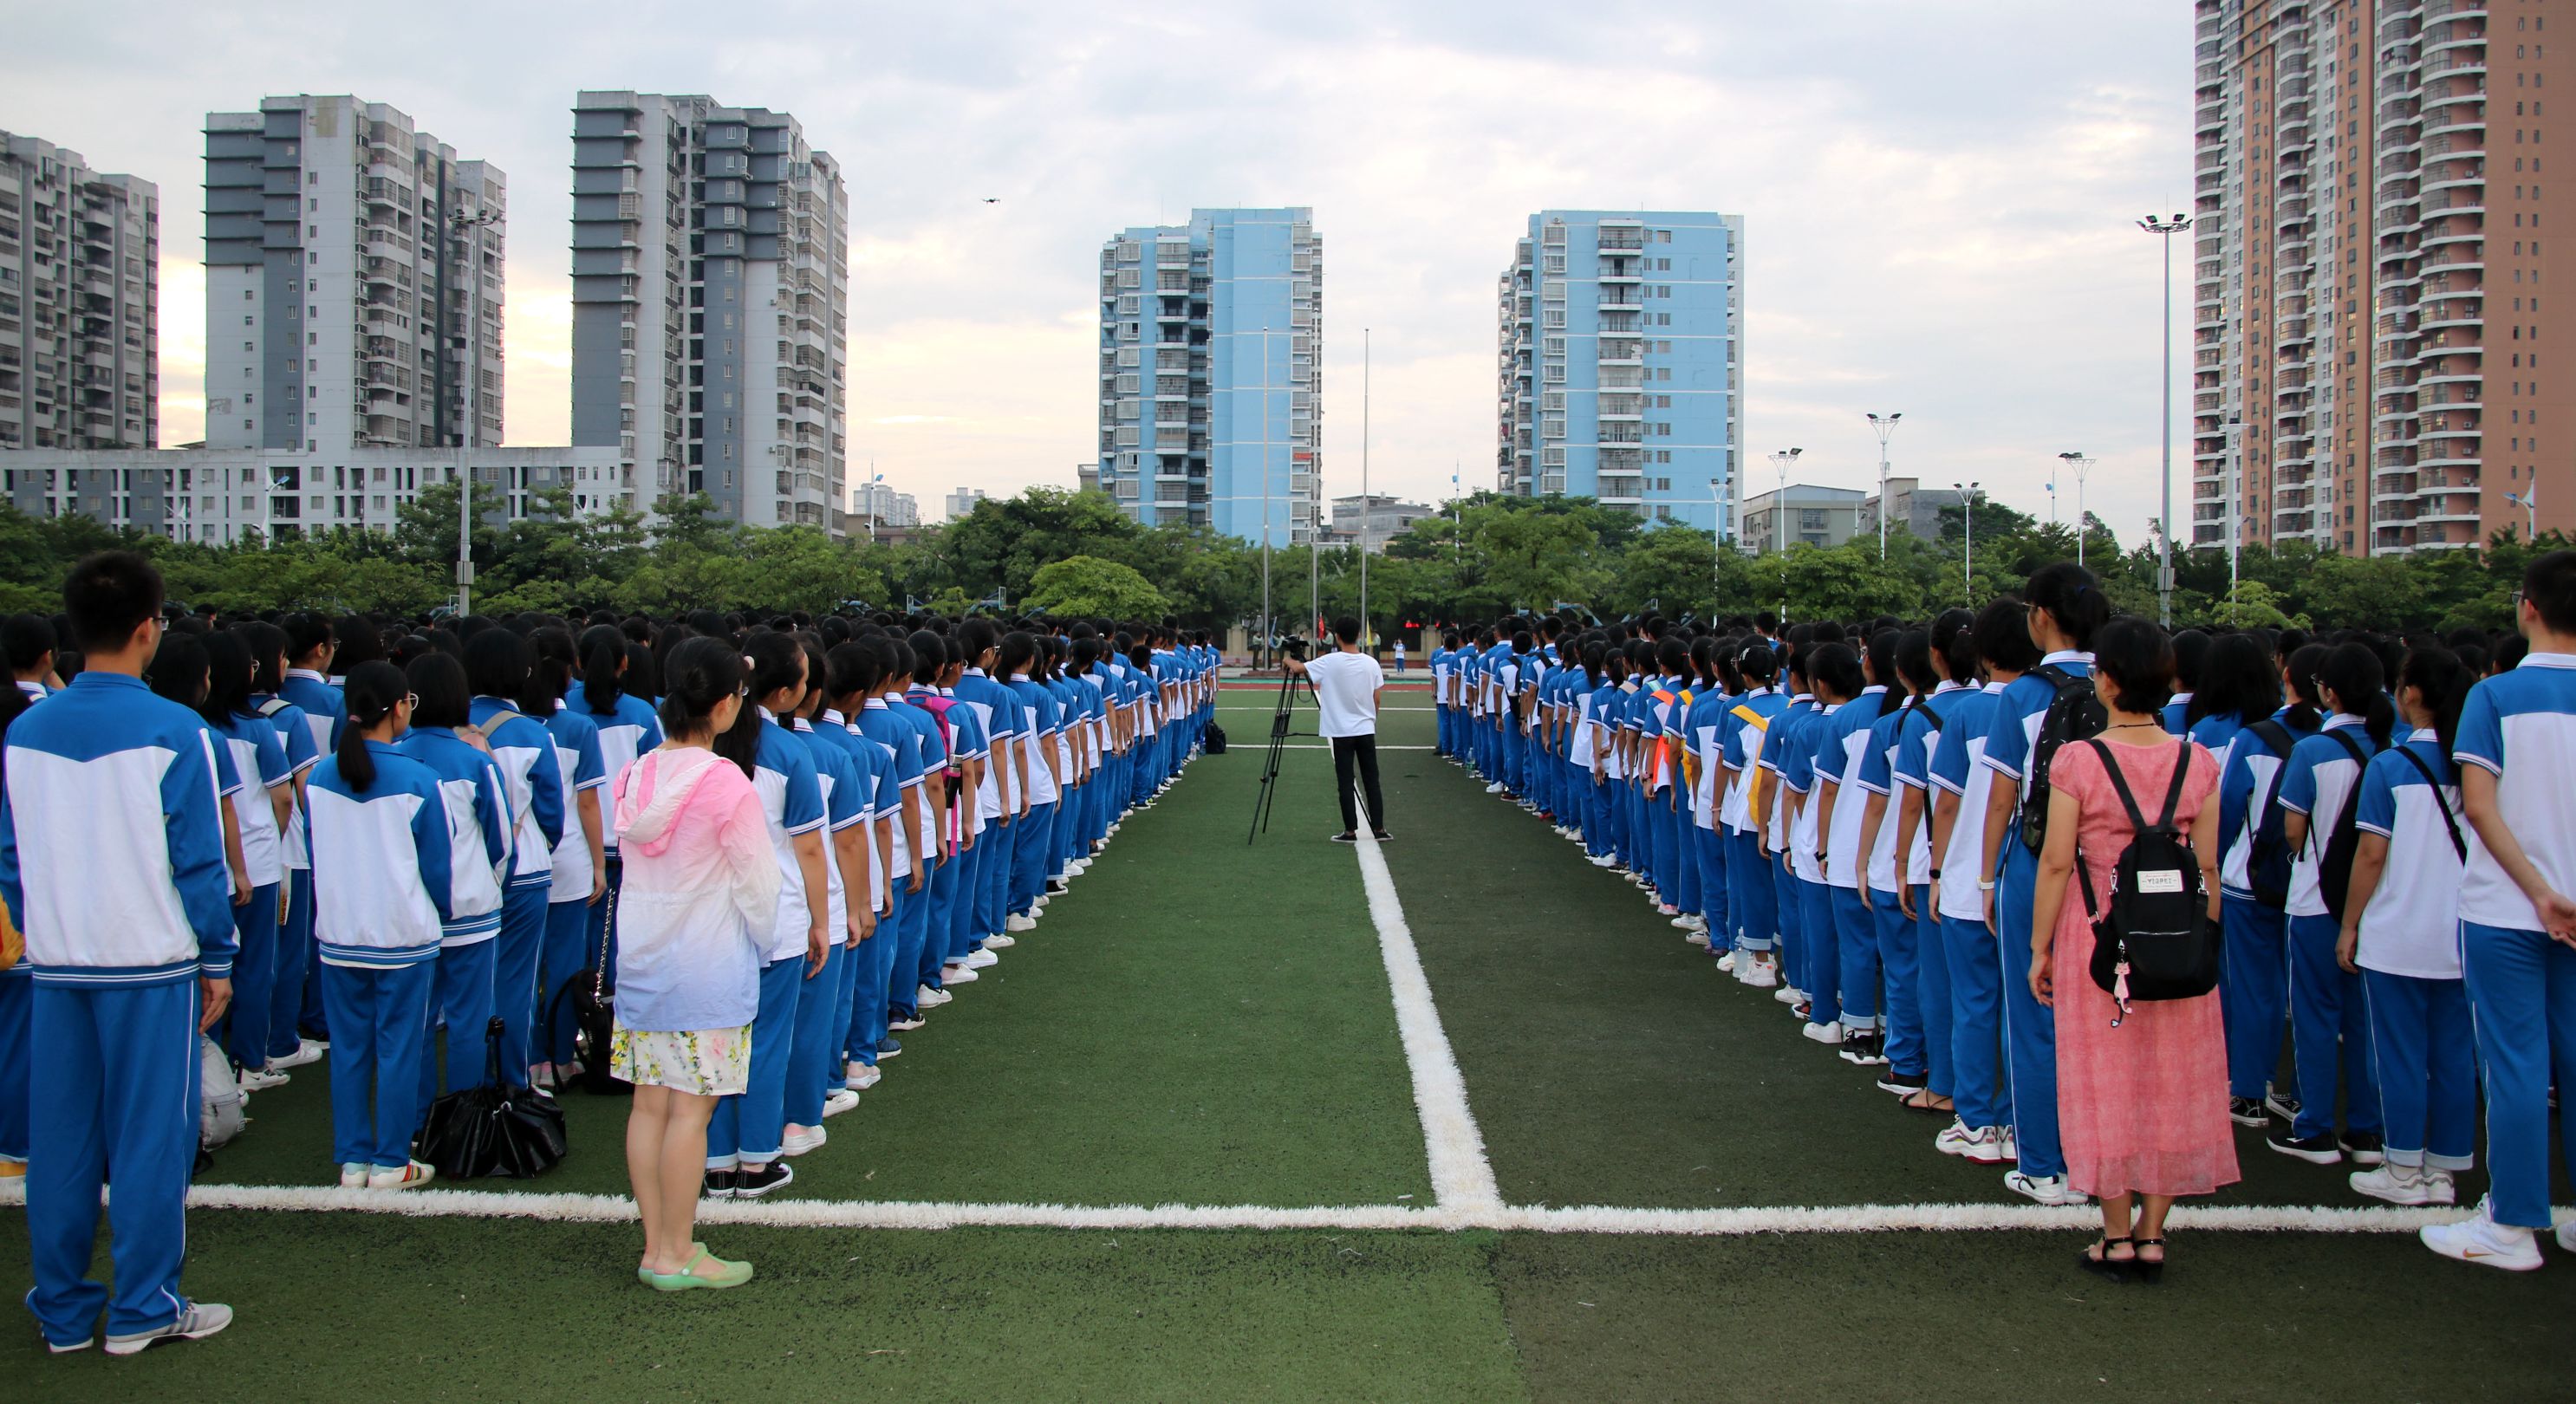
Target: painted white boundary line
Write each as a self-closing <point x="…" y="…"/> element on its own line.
<point x="857" y="1214"/>
<point x="1461" y="1178"/>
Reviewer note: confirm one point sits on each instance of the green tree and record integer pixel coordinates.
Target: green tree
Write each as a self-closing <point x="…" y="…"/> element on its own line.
<point x="1089" y="587"/>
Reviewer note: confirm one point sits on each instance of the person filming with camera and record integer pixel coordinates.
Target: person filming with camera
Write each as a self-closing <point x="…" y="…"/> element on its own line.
<point x="1347" y="682"/>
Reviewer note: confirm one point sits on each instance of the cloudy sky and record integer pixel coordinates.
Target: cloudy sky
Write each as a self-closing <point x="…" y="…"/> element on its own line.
<point x="1939" y="197"/>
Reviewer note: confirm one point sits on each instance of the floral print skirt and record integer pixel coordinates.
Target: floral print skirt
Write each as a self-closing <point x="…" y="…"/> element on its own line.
<point x="702" y="1062"/>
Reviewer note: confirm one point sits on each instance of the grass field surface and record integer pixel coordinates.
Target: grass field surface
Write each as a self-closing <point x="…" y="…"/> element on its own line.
<point x="1206" y="1023"/>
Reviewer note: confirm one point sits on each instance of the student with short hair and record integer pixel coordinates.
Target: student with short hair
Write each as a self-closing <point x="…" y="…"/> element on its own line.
<point x="497" y="665"/>
<point x="702" y="887"/>
<point x="124" y="970"/>
<point x="2516" y="750"/>
<point x="382" y="870"/>
<point x="292" y="981"/>
<point x="815" y="1081"/>
<point x="263" y="808"/>
<point x="28" y="640"/>
<point x="1853" y="694"/>
<point x="1981" y="1092"/>
<point x="479" y="853"/>
<point x="2254" y="968"/>
<point x="578" y="869"/>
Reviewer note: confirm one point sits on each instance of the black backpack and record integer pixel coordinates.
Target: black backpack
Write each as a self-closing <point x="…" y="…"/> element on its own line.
<point x="2343" y="841"/>
<point x="2154" y="938"/>
<point x="2267" y="866"/>
<point x="2074" y="713"/>
<point x="1214" y="739"/>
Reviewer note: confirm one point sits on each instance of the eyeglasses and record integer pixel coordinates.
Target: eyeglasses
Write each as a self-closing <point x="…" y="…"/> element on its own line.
<point x="2516" y="606"/>
<point x="412" y="700"/>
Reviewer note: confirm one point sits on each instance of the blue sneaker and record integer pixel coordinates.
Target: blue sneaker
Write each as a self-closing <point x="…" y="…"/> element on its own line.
<point x="887" y="1047"/>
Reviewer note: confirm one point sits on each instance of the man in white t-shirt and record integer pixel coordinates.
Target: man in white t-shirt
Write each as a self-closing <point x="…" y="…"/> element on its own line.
<point x="1347" y="683"/>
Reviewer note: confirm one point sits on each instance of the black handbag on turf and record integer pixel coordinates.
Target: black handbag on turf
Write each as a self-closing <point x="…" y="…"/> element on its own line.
<point x="494" y="1129"/>
<point x="594" y="1016"/>
<point x="2154" y="938"/>
<point x="1215" y="739"/>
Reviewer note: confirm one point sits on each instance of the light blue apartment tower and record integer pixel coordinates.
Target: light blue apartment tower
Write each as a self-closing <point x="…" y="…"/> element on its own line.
<point x="1211" y="373"/>
<point x="1620" y="375"/>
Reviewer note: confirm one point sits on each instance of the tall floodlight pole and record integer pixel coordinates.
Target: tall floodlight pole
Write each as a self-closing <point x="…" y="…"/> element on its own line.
<point x="1368" y="505"/>
<point x="1780" y="522"/>
<point x="1716" y="542"/>
<point x="470" y="227"/>
<point x="876" y="496"/>
<point x="1885" y="425"/>
<point x="2235" y="524"/>
<point x="1968" y="539"/>
<point x="1269" y="631"/>
<point x="2165" y="229"/>
<point x="2530" y="514"/>
<point x="2079" y="463"/>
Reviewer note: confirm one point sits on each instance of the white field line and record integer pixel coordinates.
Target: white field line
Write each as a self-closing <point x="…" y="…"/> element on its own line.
<point x="1462" y="1180"/>
<point x="1293" y="747"/>
<point x="897" y="1214"/>
<point x="1306" y="707"/>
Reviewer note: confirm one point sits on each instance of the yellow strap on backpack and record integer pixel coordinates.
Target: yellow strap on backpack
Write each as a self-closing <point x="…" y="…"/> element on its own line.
<point x="13" y="947"/>
<point x="1753" y="770"/>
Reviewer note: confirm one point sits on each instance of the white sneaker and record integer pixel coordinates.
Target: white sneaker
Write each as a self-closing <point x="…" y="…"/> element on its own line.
<point x="2477" y="1239"/>
<point x="1955" y="1138"/>
<point x="2566" y="1234"/>
<point x="2006" y="1146"/>
<point x="2043" y="1189"/>
<point x="195" y="1322"/>
<point x="1684" y="921"/>
<point x="957" y="975"/>
<point x="1605" y="861"/>
<point x="1020" y="923"/>
<point x="306" y="1051"/>
<point x="410" y="1176"/>
<point x="1040" y="904"/>
<point x="1726" y="962"/>
<point x="839" y="1100"/>
<point x="1989" y="1145"/>
<point x="1757" y="973"/>
<point x="1823" y="1033"/>
<point x="999" y="943"/>
<point x="982" y="960"/>
<point x="900" y="1024"/>
<point x="928" y="998"/>
<point x="1495" y="788"/>
<point x="802" y="1139"/>
<point x="862" y="1076"/>
<point x="1790" y="994"/>
<point x="262" y="1079"/>
<point x="2398" y="1184"/>
<point x="353" y="1176"/>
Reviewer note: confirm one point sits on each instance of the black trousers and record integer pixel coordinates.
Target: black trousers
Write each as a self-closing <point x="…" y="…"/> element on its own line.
<point x="1362" y="752"/>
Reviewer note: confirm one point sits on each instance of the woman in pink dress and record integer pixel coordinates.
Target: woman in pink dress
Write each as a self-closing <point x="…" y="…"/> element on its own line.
<point x="2142" y="1097"/>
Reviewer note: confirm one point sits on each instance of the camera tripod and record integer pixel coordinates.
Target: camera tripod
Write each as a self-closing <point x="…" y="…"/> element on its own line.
<point x="1279" y="734"/>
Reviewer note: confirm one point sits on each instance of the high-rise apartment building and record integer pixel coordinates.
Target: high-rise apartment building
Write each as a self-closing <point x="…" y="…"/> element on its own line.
<point x="1620" y="374"/>
<point x="2372" y="372"/>
<point x="80" y="285"/>
<point x="353" y="281"/>
<point x="1211" y="373"/>
<point x="889" y="507"/>
<point x="711" y="305"/>
<point x="960" y="502"/>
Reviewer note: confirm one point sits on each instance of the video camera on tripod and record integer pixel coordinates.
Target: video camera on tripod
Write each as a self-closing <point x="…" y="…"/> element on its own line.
<point x="1295" y="648"/>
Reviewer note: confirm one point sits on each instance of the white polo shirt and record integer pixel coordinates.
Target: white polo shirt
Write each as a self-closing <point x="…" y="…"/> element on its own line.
<point x="2529" y="715"/>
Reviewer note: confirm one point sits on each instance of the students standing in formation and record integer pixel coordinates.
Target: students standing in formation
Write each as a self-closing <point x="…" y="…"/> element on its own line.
<point x="349" y="846"/>
<point x="1859" y="820"/>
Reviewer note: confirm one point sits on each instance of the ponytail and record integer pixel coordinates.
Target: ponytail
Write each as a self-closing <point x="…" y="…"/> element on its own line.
<point x="2306" y="661"/>
<point x="2445" y="681"/>
<point x="603" y="652"/>
<point x="2353" y="674"/>
<point x="374" y="688"/>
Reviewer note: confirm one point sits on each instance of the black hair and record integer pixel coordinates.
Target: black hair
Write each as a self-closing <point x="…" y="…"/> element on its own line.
<point x="1954" y="641"/>
<point x="108" y="596"/>
<point x="2445" y="681"/>
<point x="2352" y="673"/>
<point x="2190" y="653"/>
<point x="852" y="669"/>
<point x="1882" y="668"/>
<point x="1914" y="661"/>
<point x="2305" y="699"/>
<point x="2238" y="679"/>
<point x="2072" y="597"/>
<point x="496" y="663"/>
<point x="267" y="644"/>
<point x="304" y="633"/>
<point x="439" y="682"/>
<point x="1019" y="652"/>
<point x="604" y="650"/>
<point x="929" y="657"/>
<point x="359" y="641"/>
<point x="1835" y="666"/>
<point x="549" y="672"/>
<point x="700" y="673"/>
<point x="2549" y="587"/>
<point x="177" y="670"/>
<point x="26" y="638"/>
<point x="1672" y="656"/>
<point x="373" y="689"/>
<point x="227" y="678"/>
<point x="2136" y="658"/>
<point x="2003" y="636"/>
<point x="1759" y="662"/>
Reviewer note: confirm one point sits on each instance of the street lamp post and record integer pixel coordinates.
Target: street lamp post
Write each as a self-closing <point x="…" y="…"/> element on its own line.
<point x="1780" y="521"/>
<point x="2530" y="514"/>
<point x="1716" y="542"/>
<point x="2079" y="463"/>
<point x="2165" y="229"/>
<point x="1885" y="425"/>
<point x="470" y="227"/>
<point x="2235" y="523"/>
<point x="1968" y="539"/>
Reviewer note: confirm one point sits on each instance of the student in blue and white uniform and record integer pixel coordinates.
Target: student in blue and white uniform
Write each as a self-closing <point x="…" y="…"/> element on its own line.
<point x="1900" y="870"/>
<point x="292" y="970"/>
<point x="1980" y="1128"/>
<point x="497" y="667"/>
<point x="816" y="1086"/>
<point x="1019" y="667"/>
<point x="2329" y="1024"/>
<point x="960" y="950"/>
<point x="124" y="969"/>
<point x="1819" y="952"/>
<point x="309" y="652"/>
<point x="628" y="728"/>
<point x="1783" y="746"/>
<point x="897" y="1006"/>
<point x="2065" y="606"/>
<point x="920" y="960"/>
<point x="2241" y="721"/>
<point x="1752" y="897"/>
<point x="2191" y="655"/>
<point x="479" y="857"/>
<point x="28" y="640"/>
<point x="382" y="866"/>
<point x="1442" y="658"/>
<point x="746" y="1137"/>
<point x="579" y="865"/>
<point x="1848" y="967"/>
<point x="2401" y="931"/>
<point x="264" y="810"/>
<point x="854" y="672"/>
<point x="2516" y="750"/>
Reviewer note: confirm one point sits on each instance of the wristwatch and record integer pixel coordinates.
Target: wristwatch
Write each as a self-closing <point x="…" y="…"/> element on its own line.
<point x="1985" y="886"/>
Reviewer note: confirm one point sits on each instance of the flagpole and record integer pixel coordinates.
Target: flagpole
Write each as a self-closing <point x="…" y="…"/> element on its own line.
<point x="1368" y="507"/>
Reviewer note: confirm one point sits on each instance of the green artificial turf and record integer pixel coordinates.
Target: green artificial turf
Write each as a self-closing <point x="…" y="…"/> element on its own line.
<point x="1196" y="1021"/>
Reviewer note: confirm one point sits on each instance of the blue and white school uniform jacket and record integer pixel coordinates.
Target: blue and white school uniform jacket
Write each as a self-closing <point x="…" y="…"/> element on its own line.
<point x="627" y="730"/>
<point x="259" y="758"/>
<point x="2520" y="727"/>
<point x="112" y="838"/>
<point x="2411" y="926"/>
<point x="295" y="733"/>
<point x="325" y="710"/>
<point x="525" y="752"/>
<point x="791" y="799"/>
<point x="478" y="831"/>
<point x="381" y="862"/>
<point x="580" y="767"/>
<point x="843" y="807"/>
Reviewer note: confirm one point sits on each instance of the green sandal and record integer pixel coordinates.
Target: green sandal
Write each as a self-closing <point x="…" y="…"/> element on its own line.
<point x="728" y="1274"/>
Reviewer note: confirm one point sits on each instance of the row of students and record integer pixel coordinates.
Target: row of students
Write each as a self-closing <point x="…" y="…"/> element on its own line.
<point x="438" y="827"/>
<point x="1847" y="822"/>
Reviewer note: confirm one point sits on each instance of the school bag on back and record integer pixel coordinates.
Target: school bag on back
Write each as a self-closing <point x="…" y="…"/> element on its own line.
<point x="2268" y="861"/>
<point x="2343" y="841"/>
<point x="2152" y="938"/>
<point x="1753" y="777"/>
<point x="2074" y="714"/>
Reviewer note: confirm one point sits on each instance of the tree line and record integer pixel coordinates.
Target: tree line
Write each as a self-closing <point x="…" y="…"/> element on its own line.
<point x="1051" y="550"/>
